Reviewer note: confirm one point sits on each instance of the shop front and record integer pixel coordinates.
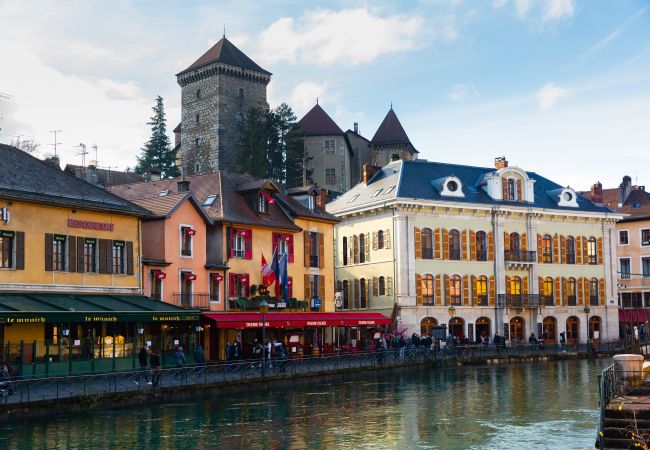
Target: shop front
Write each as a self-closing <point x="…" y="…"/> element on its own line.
<point x="54" y="334"/>
<point x="301" y="333"/>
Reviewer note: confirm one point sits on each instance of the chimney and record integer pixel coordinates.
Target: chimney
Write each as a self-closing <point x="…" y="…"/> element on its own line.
<point x="356" y="127"/>
<point x="183" y="185"/>
<point x="369" y="171"/>
<point x="624" y="190"/>
<point x="53" y="161"/>
<point x="321" y="200"/>
<point x="597" y="193"/>
<point x="500" y="162"/>
<point x="152" y="174"/>
<point x="91" y="175"/>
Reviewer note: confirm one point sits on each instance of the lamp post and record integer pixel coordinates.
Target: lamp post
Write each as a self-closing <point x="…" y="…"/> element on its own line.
<point x="621" y="305"/>
<point x="452" y="312"/>
<point x="264" y="308"/>
<point x="586" y="310"/>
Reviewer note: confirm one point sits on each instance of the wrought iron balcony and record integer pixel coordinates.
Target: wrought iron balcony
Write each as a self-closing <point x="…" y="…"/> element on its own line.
<point x="193" y="300"/>
<point x="546" y="301"/>
<point x="518" y="301"/>
<point x="520" y="256"/>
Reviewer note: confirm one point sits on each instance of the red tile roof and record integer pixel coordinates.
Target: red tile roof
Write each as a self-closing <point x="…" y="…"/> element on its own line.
<point x="636" y="204"/>
<point x="390" y="131"/>
<point x="318" y="122"/>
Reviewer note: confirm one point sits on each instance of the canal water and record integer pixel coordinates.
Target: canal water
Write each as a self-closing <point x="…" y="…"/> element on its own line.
<point x="519" y="406"/>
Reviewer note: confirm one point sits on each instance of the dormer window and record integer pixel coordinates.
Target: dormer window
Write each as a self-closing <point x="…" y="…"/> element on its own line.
<point x="568" y="198"/>
<point x="450" y="186"/>
<point x="311" y="202"/>
<point x="512" y="189"/>
<point x="263" y="204"/>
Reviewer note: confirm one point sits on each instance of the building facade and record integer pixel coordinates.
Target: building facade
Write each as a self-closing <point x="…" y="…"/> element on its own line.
<point x="478" y="250"/>
<point x="217" y="91"/>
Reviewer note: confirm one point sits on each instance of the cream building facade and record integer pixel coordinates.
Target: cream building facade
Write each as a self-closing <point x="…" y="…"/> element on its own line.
<point x="478" y="250"/>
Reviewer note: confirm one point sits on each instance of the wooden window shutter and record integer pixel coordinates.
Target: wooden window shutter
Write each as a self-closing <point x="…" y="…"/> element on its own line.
<point x="321" y="288"/>
<point x="374" y="240"/>
<point x="472" y="245"/>
<point x="600" y="251"/>
<point x="72" y="254"/>
<point x="438" y="287"/>
<point x="357" y="294"/>
<point x="129" y="257"/>
<point x="524" y="282"/>
<point x="321" y="250"/>
<point x="418" y="243"/>
<point x="602" y="292"/>
<point x="355" y="249"/>
<point x="524" y="242"/>
<point x="375" y="287"/>
<point x="558" y="292"/>
<point x="506" y="240"/>
<point x="275" y="238"/>
<point x="247" y="286"/>
<point x="463" y="243"/>
<point x="49" y="240"/>
<point x="493" y="292"/>
<point x="368" y="294"/>
<point x="465" y="290"/>
<point x="307" y="287"/>
<point x="578" y="250"/>
<point x="307" y="252"/>
<point x="520" y="190"/>
<point x="230" y="242"/>
<point x="447" y="290"/>
<point x="436" y="243"/>
<point x="504" y="186"/>
<point x="81" y="263"/>
<point x="556" y="249"/>
<point x="248" y="242"/>
<point x="290" y="241"/>
<point x="389" y="286"/>
<point x="585" y="251"/>
<point x="20" y="250"/>
<point x="540" y="286"/>
<point x="418" y="289"/>
<point x="473" y="299"/>
<point x="539" y="248"/>
<point x="387" y="239"/>
<point x="563" y="248"/>
<point x="101" y="248"/>
<point x="445" y="243"/>
<point x="367" y="246"/>
<point x="491" y="246"/>
<point x="232" y="293"/>
<point x="507" y="285"/>
<point x="565" y="291"/>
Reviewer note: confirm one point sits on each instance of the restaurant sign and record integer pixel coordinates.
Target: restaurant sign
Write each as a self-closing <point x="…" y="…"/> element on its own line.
<point x="89" y="225"/>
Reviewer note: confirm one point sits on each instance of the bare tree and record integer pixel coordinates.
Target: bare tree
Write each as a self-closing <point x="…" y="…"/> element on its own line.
<point x="26" y="145"/>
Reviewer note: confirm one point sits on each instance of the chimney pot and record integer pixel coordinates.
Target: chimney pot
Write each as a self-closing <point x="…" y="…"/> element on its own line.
<point x="500" y="162"/>
<point x="597" y="192"/>
<point x="369" y="171"/>
<point x="53" y="161"/>
<point x="183" y="185"/>
<point x="356" y="127"/>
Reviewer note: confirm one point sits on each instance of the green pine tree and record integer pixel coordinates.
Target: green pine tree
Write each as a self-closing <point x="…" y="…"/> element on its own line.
<point x="253" y="143"/>
<point x="158" y="153"/>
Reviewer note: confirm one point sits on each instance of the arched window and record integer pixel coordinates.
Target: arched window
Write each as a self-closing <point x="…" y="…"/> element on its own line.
<point x="594" y="328"/>
<point x="362" y="248"/>
<point x="481" y="246"/>
<point x="512" y="189"/>
<point x="517" y="329"/>
<point x="481" y="291"/>
<point x="482" y="327"/>
<point x="426" y="325"/>
<point x="571" y="291"/>
<point x="346" y="294"/>
<point x="592" y="251"/>
<point x="549" y="330"/>
<point x="427" y="289"/>
<point x="514" y="242"/>
<point x="455" y="290"/>
<point x="570" y="250"/>
<point x="382" y="286"/>
<point x="593" y="292"/>
<point x="547" y="249"/>
<point x="547" y="291"/>
<point x="572" y="330"/>
<point x="363" y="293"/>
<point x="427" y="243"/>
<point x="355" y="249"/>
<point x="345" y="251"/>
<point x="454" y="245"/>
<point x="380" y="239"/>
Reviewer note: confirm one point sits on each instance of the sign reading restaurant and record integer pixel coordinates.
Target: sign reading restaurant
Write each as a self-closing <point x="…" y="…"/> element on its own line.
<point x="89" y="225"/>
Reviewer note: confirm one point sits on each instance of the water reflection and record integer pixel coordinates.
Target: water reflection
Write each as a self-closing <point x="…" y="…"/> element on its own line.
<point x="550" y="405"/>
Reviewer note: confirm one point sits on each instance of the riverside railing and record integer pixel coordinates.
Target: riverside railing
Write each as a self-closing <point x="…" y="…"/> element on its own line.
<point x="27" y="390"/>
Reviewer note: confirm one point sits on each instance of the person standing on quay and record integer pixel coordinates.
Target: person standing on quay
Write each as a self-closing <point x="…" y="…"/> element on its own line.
<point x="199" y="359"/>
<point x="179" y="359"/>
<point x="142" y="360"/>
<point x="154" y="361"/>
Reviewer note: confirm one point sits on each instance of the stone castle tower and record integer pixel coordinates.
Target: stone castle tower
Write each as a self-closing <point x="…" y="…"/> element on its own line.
<point x="217" y="91"/>
<point x="390" y="142"/>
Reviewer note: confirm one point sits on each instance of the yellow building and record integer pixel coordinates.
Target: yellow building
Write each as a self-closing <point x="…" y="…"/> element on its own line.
<point x="479" y="251"/>
<point x="69" y="268"/>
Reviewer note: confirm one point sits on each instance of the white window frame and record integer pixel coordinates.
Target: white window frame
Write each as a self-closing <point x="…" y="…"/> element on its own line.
<point x="180" y="246"/>
<point x="619" y="238"/>
<point x="641" y="244"/>
<point x="329" y="149"/>
<point x="641" y="258"/>
<point x="620" y="271"/>
<point x="239" y="250"/>
<point x="180" y="282"/>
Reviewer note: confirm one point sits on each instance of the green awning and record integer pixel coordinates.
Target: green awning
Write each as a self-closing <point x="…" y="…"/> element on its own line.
<point x="88" y="308"/>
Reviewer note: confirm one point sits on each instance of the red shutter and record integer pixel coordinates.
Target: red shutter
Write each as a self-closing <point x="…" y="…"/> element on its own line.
<point x="248" y="284"/>
<point x="276" y="237"/>
<point x="231" y="285"/>
<point x="249" y="244"/>
<point x="230" y="232"/>
<point x="290" y="237"/>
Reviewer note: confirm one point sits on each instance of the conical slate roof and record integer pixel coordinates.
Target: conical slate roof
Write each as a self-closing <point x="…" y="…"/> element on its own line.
<point x="390" y="131"/>
<point x="317" y="122"/>
<point x="225" y="52"/>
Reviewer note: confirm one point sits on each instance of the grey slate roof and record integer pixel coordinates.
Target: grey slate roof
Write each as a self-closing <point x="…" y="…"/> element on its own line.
<point x="416" y="180"/>
<point x="225" y="52"/>
<point x="390" y="131"/>
<point x="27" y="178"/>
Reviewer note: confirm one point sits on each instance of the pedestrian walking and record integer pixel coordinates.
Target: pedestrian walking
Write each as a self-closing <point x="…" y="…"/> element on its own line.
<point x="228" y="351"/>
<point x="154" y="362"/>
<point x="180" y="361"/>
<point x="199" y="360"/>
<point x="143" y="362"/>
<point x="563" y="341"/>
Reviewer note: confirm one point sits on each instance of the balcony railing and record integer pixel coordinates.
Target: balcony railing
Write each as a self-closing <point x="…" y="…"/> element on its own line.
<point x="518" y="301"/>
<point x="546" y="301"/>
<point x="194" y="300"/>
<point x="520" y="256"/>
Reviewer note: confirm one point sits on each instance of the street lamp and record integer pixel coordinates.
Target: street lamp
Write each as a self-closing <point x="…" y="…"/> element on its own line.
<point x="586" y="310"/>
<point x="452" y="312"/>
<point x="264" y="308"/>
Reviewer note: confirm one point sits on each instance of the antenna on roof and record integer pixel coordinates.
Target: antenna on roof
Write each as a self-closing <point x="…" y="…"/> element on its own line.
<point x="96" y="160"/>
<point x="317" y="100"/>
<point x="55" y="140"/>
<point x="391" y="104"/>
<point x="224" y="30"/>
<point x="82" y="153"/>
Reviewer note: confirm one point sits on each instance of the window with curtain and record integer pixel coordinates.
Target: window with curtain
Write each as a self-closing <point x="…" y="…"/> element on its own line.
<point x="426" y="237"/>
<point x="454" y="245"/>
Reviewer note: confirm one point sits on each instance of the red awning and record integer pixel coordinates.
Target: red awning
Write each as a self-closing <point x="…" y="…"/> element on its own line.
<point x="297" y="320"/>
<point x="633" y="315"/>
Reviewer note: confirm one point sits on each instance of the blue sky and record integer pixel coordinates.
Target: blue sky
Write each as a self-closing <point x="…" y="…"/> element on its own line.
<point x="560" y="87"/>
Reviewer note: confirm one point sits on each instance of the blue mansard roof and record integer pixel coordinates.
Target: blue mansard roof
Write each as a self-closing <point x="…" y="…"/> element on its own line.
<point x="422" y="180"/>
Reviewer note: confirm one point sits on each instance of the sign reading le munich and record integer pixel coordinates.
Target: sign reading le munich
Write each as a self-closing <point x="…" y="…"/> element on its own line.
<point x="102" y="226"/>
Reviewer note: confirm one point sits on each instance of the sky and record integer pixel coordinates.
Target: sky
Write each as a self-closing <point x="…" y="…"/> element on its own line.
<point x="559" y="87"/>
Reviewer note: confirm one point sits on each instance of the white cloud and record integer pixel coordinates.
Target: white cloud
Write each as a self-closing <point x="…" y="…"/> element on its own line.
<point x="522" y="7"/>
<point x="460" y="92"/>
<point x="558" y="9"/>
<point x="549" y="94"/>
<point x="616" y="33"/>
<point x="350" y="36"/>
<point x="304" y="95"/>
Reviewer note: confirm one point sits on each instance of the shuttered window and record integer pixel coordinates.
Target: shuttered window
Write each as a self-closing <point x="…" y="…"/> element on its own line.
<point x="7" y="239"/>
<point x="119" y="257"/>
<point x="59" y="252"/>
